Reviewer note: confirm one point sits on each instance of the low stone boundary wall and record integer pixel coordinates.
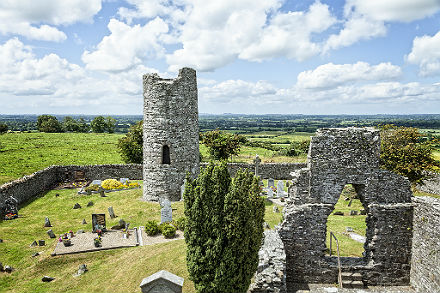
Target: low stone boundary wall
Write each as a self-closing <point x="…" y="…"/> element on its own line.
<point x="425" y="263"/>
<point x="271" y="273"/>
<point x="30" y="186"/>
<point x="279" y="171"/>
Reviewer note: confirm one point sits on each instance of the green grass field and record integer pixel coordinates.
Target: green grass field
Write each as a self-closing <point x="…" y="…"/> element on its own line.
<point x="119" y="270"/>
<point x="24" y="153"/>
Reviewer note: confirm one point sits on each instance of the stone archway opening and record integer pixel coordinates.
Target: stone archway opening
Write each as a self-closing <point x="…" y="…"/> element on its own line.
<point x="347" y="221"/>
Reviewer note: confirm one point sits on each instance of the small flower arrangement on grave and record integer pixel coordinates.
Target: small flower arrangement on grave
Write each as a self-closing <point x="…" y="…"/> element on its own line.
<point x="97" y="241"/>
<point x="10" y="216"/>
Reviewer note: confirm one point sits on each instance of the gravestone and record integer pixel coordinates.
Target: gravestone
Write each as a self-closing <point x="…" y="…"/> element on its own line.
<point x="166" y="212"/>
<point x="162" y="282"/>
<point x="47" y="222"/>
<point x="90" y="203"/>
<point x="96" y="182"/>
<point x="257" y="162"/>
<point x="84" y="222"/>
<point x="124" y="181"/>
<point x="111" y="212"/>
<point x="280" y="188"/>
<point x="50" y="233"/>
<point x="269" y="193"/>
<point x="76" y="206"/>
<point x="10" y="206"/>
<point x="270" y="182"/>
<point x="98" y="222"/>
<point x="41" y="242"/>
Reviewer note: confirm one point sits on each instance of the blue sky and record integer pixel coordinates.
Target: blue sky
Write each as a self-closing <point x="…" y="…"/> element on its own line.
<point x="252" y="57"/>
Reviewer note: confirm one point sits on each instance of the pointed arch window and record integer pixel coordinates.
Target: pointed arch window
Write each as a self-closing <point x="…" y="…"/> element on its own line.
<point x="166" y="155"/>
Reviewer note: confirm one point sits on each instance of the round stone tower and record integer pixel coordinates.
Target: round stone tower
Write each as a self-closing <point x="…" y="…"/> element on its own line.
<point x="171" y="134"/>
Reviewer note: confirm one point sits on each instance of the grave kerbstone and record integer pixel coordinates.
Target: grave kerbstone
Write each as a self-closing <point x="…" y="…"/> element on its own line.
<point x="111" y="212"/>
<point x="47" y="279"/>
<point x="35" y="254"/>
<point x="166" y="212"/>
<point x="50" y="233"/>
<point x="33" y="244"/>
<point x="8" y="269"/>
<point x="47" y="222"/>
<point x="163" y="282"/>
<point x="41" y="242"/>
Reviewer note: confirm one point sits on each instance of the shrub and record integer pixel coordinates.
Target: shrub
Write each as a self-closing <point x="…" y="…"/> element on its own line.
<point x="151" y="228"/>
<point x="3" y="128"/>
<point x="168" y="230"/>
<point x="221" y="144"/>
<point x="223" y="229"/>
<point x="94" y="187"/>
<point x="179" y="223"/>
<point x="48" y="123"/>
<point x="110" y="184"/>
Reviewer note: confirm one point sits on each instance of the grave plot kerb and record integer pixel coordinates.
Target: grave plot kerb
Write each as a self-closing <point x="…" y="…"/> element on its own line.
<point x="338" y="157"/>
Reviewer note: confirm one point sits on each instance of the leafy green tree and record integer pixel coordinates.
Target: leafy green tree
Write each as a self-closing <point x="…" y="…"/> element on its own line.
<point x="100" y="124"/>
<point x="82" y="125"/>
<point x="48" y="123"/>
<point x="223" y="229"/>
<point x="70" y="124"/>
<point x="3" y="128"/>
<point x="221" y="144"/>
<point x="131" y="145"/>
<point x="404" y="152"/>
<point x="111" y="123"/>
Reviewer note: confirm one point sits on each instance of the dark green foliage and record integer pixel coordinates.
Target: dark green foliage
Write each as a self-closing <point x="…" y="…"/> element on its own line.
<point x="405" y="152"/>
<point x="100" y="124"/>
<point x="168" y="230"/>
<point x="3" y="128"/>
<point x="82" y="125"/>
<point x="48" y="123"/>
<point x="223" y="229"/>
<point x="179" y="223"/>
<point x="221" y="144"/>
<point x="295" y="148"/>
<point x="151" y="228"/>
<point x="70" y="124"/>
<point x="131" y="145"/>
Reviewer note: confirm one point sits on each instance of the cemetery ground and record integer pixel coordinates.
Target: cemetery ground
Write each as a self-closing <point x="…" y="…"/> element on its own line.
<point x="117" y="270"/>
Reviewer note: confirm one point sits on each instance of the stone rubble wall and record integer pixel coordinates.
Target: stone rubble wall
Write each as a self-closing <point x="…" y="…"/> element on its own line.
<point x="271" y="274"/>
<point x="431" y="185"/>
<point x="425" y="264"/>
<point x="338" y="157"/>
<point x="30" y="186"/>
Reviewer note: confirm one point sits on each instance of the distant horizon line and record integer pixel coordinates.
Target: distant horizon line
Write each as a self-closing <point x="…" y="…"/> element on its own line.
<point x="223" y="114"/>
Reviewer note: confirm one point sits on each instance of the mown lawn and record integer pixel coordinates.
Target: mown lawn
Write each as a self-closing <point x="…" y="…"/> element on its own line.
<point x="119" y="270"/>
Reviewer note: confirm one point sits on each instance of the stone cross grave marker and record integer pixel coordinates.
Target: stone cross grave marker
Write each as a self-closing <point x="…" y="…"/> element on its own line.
<point x="270" y="182"/>
<point x="98" y="222"/>
<point x="280" y="188"/>
<point x="166" y="212"/>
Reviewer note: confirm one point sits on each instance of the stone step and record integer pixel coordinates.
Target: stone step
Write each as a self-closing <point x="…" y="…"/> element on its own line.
<point x="352" y="284"/>
<point x="351" y="276"/>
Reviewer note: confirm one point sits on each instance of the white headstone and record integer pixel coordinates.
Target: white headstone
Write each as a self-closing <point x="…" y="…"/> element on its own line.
<point x="166" y="212"/>
<point x="269" y="193"/>
<point x="96" y="182"/>
<point x="124" y="180"/>
<point x="280" y="188"/>
<point x="270" y="182"/>
<point x="182" y="189"/>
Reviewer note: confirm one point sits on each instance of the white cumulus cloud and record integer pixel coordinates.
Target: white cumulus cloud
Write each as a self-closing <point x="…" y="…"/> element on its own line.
<point x="37" y="19"/>
<point x="425" y="53"/>
<point x="332" y="75"/>
<point x="126" y="46"/>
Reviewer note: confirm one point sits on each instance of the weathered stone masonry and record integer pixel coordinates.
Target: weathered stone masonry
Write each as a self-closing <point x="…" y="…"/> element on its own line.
<point x="338" y="157"/>
<point x="171" y="133"/>
<point x="425" y="264"/>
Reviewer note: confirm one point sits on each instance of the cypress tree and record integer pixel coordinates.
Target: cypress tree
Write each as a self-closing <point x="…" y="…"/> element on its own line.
<point x="223" y="230"/>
